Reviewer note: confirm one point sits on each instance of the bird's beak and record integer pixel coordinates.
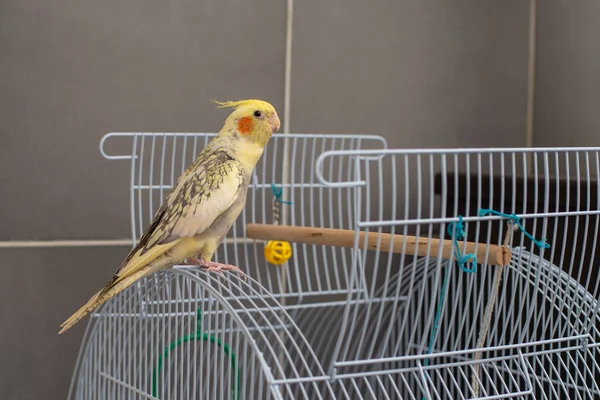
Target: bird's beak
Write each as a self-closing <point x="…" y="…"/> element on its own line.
<point x="274" y="121"/>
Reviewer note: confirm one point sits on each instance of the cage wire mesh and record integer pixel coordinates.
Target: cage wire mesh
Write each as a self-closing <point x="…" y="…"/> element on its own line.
<point x="372" y="321"/>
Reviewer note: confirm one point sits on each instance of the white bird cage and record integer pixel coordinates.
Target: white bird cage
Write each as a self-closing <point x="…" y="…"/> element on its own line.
<point x="369" y="321"/>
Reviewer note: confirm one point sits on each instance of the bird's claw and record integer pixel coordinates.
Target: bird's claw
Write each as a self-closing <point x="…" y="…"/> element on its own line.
<point x="212" y="266"/>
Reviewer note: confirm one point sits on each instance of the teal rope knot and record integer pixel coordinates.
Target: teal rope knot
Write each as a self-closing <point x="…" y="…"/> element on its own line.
<point x="542" y="244"/>
<point x="278" y="193"/>
<point x="457" y="231"/>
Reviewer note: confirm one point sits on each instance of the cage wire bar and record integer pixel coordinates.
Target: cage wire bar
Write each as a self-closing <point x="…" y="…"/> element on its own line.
<point x="367" y="321"/>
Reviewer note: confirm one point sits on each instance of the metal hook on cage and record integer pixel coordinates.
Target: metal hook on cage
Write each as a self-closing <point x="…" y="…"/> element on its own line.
<point x="108" y="156"/>
<point x="319" y="170"/>
<point x="361" y="155"/>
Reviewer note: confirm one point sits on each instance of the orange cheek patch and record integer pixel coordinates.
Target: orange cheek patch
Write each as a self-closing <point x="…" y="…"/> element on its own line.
<point x="245" y="125"/>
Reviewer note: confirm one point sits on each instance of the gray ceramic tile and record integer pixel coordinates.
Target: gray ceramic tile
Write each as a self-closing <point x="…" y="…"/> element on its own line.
<point x="38" y="290"/>
<point x="421" y="73"/>
<point x="567" y="73"/>
<point x="72" y="72"/>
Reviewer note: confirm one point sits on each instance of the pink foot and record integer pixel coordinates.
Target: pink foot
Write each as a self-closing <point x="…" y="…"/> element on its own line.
<point x="212" y="266"/>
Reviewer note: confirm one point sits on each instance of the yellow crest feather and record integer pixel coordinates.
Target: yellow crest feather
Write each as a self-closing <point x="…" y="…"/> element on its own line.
<point x="245" y="103"/>
<point x="238" y="104"/>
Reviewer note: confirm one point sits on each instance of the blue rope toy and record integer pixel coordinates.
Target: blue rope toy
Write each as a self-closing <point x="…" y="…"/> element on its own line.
<point x="278" y="192"/>
<point x="457" y="231"/>
<point x="517" y="221"/>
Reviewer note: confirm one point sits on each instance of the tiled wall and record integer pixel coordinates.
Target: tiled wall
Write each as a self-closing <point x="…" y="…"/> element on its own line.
<point x="421" y="73"/>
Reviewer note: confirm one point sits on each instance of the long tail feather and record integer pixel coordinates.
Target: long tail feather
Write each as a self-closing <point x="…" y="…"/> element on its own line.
<point x="134" y="268"/>
<point x="100" y="298"/>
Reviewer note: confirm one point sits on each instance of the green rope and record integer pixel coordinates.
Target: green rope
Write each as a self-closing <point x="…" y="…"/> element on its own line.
<point x="194" y="337"/>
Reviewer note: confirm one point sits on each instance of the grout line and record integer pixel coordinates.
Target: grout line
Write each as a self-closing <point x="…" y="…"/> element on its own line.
<point x="24" y="244"/>
<point x="16" y="244"/>
<point x="531" y="66"/>
<point x="287" y="105"/>
<point x="287" y="87"/>
<point x="286" y="179"/>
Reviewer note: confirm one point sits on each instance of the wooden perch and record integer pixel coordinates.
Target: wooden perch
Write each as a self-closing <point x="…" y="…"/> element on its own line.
<point x="496" y="255"/>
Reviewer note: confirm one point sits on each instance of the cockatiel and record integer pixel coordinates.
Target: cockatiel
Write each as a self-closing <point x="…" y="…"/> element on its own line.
<point x="202" y="205"/>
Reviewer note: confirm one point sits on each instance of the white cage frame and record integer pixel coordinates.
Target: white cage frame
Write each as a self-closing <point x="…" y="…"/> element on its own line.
<point x="357" y="324"/>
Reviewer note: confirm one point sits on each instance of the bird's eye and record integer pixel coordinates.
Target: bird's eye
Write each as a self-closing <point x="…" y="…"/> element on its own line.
<point x="257" y="114"/>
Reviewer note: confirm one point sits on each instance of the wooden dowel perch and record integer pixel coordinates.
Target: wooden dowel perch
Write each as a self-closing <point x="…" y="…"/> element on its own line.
<point x="496" y="255"/>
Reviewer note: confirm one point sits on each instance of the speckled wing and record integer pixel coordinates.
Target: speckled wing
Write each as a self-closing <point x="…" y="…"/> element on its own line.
<point x="204" y="191"/>
<point x="197" y="200"/>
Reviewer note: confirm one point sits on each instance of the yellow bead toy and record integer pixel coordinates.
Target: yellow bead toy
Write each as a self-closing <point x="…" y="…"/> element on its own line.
<point x="277" y="252"/>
